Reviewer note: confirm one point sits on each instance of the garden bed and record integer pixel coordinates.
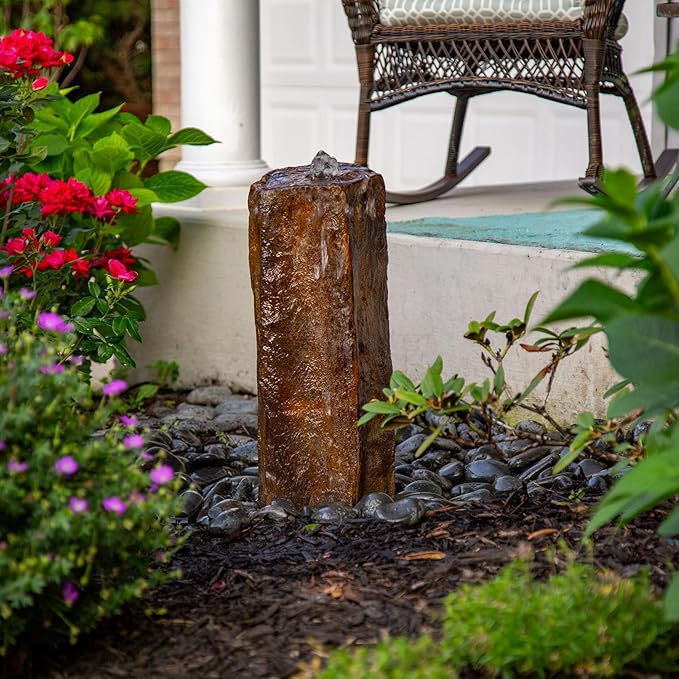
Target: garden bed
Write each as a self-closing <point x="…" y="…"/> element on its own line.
<point x="272" y="601"/>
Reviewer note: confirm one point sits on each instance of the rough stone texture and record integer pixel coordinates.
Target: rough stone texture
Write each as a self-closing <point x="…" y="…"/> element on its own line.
<point x="318" y="266"/>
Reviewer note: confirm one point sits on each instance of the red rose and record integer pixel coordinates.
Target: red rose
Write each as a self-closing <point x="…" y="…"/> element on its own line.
<point x="120" y="272"/>
<point x="50" y="239"/>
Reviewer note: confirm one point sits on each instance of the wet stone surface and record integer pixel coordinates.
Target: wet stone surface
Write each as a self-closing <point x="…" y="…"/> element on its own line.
<point x="219" y="469"/>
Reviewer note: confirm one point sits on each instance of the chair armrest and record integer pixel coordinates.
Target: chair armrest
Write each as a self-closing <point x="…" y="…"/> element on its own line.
<point x="599" y="16"/>
<point x="363" y="16"/>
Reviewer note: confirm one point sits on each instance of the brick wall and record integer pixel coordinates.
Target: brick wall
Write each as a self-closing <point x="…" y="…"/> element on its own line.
<point x="166" y="67"/>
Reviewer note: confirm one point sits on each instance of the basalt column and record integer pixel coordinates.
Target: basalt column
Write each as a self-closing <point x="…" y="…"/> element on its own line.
<point x="318" y="265"/>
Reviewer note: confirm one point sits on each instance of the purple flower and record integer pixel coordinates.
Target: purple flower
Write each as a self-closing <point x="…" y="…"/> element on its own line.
<point x="76" y="359"/>
<point x="78" y="505"/>
<point x="52" y="369"/>
<point x="133" y="441"/>
<point x="3" y="349"/>
<point x="52" y="322"/>
<point x="128" y="421"/>
<point x="16" y="467"/>
<point x="25" y="293"/>
<point x="114" y="504"/>
<point x="6" y="271"/>
<point x="66" y="465"/>
<point x="114" y="388"/>
<point x="161" y="474"/>
<point x="3" y="445"/>
<point x="4" y="314"/>
<point x="146" y="456"/>
<point x="69" y="593"/>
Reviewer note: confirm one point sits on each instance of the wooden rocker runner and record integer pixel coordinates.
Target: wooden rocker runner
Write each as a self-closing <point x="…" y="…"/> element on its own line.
<point x="564" y="50"/>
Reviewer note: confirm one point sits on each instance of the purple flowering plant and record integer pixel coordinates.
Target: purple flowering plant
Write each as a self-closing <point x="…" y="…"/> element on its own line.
<point x="81" y="517"/>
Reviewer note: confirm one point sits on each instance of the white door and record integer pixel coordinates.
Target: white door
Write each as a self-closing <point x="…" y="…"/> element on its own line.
<point x="310" y="94"/>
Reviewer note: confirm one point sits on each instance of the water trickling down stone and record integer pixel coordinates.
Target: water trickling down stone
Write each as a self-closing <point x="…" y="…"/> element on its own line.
<point x="318" y="266"/>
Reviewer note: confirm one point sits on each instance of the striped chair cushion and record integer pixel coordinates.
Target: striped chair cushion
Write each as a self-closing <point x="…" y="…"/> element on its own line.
<point x="427" y="12"/>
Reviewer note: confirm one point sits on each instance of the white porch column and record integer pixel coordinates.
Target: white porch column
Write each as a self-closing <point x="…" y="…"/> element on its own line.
<point x="220" y="90"/>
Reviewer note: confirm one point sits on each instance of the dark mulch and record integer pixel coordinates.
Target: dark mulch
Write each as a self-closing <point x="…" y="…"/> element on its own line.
<point x="266" y="604"/>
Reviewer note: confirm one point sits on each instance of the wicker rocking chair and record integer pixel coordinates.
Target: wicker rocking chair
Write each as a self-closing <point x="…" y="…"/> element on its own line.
<point x="572" y="56"/>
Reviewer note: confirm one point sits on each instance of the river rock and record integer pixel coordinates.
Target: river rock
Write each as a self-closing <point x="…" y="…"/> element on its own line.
<point x="485" y="452"/>
<point x="522" y="460"/>
<point x="422" y="486"/>
<point x="229" y="522"/>
<point x="186" y="411"/>
<point x="452" y="472"/>
<point x="472" y="487"/>
<point x="204" y="476"/>
<point x="405" y="451"/>
<point x="511" y="447"/>
<point x="229" y="422"/>
<point x="245" y="453"/>
<point x="530" y="427"/>
<point x="271" y="512"/>
<point x="210" y="395"/>
<point x="336" y="512"/>
<point x="481" y="495"/>
<point x="237" y="406"/>
<point x="485" y="470"/>
<point x="432" y="477"/>
<point x="405" y="512"/>
<point x="507" y="484"/>
<point x="367" y="506"/>
<point x="591" y="467"/>
<point x="533" y="471"/>
<point x="192" y="501"/>
<point x="433" y="459"/>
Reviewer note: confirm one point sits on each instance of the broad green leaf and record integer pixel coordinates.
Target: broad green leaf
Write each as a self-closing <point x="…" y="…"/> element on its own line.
<point x="670" y="255"/>
<point x="499" y="380"/>
<point x="147" y="142"/>
<point x="55" y="143"/>
<point x="454" y="385"/>
<point x="132" y="328"/>
<point x="127" y="180"/>
<point x="94" y="121"/>
<point x="644" y="348"/>
<point x="621" y="186"/>
<point x="94" y="288"/>
<point x="653" y="399"/>
<point x="147" y="277"/>
<point x="192" y="137"/>
<point x="432" y="384"/>
<point x="135" y="229"/>
<point x="174" y="186"/>
<point x="146" y="391"/>
<point x="592" y="298"/>
<point x="585" y="420"/>
<point x="118" y="325"/>
<point x="143" y="196"/>
<point x="83" y="306"/>
<point x="123" y="355"/>
<point x="81" y="108"/>
<point x="104" y="352"/>
<point x="159" y="124"/>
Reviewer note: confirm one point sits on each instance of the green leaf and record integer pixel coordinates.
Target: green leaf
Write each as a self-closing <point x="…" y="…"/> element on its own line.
<point x="499" y="380"/>
<point x="168" y="228"/>
<point x="617" y="260"/>
<point x="104" y="352"/>
<point x="83" y="306"/>
<point x="585" y="420"/>
<point x="81" y="108"/>
<point x="432" y="384"/>
<point x="364" y="419"/>
<point x="191" y="136"/>
<point x="381" y="408"/>
<point x="132" y="328"/>
<point x="411" y="397"/>
<point x="671" y="602"/>
<point x="424" y="446"/>
<point x="644" y="348"/>
<point x="94" y="288"/>
<point x="529" y="307"/>
<point x="400" y="379"/>
<point x="143" y="196"/>
<point x="146" y="391"/>
<point x="653" y="399"/>
<point x="670" y="526"/>
<point x="118" y="325"/>
<point x="146" y="141"/>
<point x="174" y="186"/>
<point x="123" y="355"/>
<point x="454" y="385"/>
<point x="54" y="143"/>
<point x="592" y="298"/>
<point x="94" y="121"/>
<point x="159" y="124"/>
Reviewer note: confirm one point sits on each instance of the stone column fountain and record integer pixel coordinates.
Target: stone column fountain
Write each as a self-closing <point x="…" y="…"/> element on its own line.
<point x="318" y="266"/>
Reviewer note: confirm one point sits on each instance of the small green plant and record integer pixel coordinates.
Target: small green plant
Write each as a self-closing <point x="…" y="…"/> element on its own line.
<point x="479" y="406"/>
<point x="581" y="623"/>
<point x="81" y="523"/>
<point x="168" y="372"/>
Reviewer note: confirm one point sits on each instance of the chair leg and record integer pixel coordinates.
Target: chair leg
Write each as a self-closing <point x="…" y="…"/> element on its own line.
<point x="363" y="130"/>
<point x="594" y="52"/>
<point x="639" y="130"/>
<point x="454" y="171"/>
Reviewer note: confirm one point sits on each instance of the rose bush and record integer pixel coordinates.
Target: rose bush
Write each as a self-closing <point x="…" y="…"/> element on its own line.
<point x="75" y="200"/>
<point x="81" y="522"/>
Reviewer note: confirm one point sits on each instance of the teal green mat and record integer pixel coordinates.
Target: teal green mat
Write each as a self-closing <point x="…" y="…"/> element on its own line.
<point x="553" y="230"/>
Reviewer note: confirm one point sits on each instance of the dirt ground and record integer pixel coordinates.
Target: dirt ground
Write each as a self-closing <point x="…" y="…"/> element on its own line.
<point x="270" y="602"/>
